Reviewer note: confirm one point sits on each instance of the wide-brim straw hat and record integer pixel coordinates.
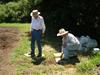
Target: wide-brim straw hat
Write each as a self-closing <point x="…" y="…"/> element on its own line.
<point x="35" y="12"/>
<point x="62" y="32"/>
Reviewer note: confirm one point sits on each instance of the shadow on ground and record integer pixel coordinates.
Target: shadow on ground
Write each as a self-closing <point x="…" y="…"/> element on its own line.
<point x="71" y="60"/>
<point x="38" y="60"/>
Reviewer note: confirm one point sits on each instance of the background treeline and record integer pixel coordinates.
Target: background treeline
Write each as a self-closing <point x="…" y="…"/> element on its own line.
<point x="81" y="17"/>
<point x="14" y="10"/>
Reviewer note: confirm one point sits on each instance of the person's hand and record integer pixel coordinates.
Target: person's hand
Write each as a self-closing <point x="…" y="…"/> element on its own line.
<point x="30" y="33"/>
<point x="42" y="34"/>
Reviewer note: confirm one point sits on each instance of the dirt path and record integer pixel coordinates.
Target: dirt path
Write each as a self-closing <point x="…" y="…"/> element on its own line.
<point x="8" y="39"/>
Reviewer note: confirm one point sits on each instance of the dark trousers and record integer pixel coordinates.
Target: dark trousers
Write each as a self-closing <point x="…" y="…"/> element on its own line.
<point x="36" y="36"/>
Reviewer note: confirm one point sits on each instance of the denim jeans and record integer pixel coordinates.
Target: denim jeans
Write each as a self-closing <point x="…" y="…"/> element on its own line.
<point x="70" y="51"/>
<point x="36" y="36"/>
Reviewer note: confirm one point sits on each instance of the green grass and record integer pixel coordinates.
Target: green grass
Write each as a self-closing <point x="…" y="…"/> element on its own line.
<point x="24" y="65"/>
<point x="86" y="67"/>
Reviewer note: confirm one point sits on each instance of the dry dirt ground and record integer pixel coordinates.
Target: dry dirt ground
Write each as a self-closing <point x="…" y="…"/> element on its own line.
<point x="8" y="39"/>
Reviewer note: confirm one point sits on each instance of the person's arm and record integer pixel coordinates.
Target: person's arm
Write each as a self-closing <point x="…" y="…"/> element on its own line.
<point x="30" y="26"/>
<point x="62" y="47"/>
<point x="72" y="40"/>
<point x="31" y="22"/>
<point x="43" y="26"/>
<point x="61" y="52"/>
<point x="64" y="43"/>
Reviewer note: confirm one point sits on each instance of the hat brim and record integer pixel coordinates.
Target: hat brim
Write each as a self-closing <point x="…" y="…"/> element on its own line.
<point x="59" y="34"/>
<point x="31" y="14"/>
<point x="38" y="13"/>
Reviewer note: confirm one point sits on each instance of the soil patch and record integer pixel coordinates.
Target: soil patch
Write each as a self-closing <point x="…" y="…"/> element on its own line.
<point x="8" y="40"/>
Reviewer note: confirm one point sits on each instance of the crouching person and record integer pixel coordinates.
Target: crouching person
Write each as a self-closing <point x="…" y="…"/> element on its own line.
<point x="70" y="44"/>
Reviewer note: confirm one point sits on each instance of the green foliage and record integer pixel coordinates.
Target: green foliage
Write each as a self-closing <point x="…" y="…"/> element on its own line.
<point x="85" y="66"/>
<point x="17" y="10"/>
<point x="14" y="11"/>
<point x="88" y="66"/>
<point x="36" y="2"/>
<point x="2" y="13"/>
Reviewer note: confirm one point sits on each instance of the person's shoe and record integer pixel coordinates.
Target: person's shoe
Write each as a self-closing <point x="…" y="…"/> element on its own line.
<point x="75" y="56"/>
<point x="63" y="59"/>
<point x="32" y="56"/>
<point x="39" y="56"/>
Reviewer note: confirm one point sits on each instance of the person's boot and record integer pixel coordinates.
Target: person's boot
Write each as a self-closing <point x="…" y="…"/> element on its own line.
<point x="32" y="56"/>
<point x="39" y="55"/>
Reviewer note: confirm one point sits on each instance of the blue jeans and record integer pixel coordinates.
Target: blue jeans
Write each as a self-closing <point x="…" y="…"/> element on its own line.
<point x="36" y="36"/>
<point x="70" y="50"/>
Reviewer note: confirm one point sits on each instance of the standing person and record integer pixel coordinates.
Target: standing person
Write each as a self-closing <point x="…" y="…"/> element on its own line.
<point x="70" y="44"/>
<point x="37" y="30"/>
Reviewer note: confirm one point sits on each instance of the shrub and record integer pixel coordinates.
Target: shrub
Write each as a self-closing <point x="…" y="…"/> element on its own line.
<point x="14" y="11"/>
<point x="2" y="13"/>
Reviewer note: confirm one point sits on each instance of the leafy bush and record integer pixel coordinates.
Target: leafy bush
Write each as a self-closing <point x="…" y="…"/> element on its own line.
<point x="2" y="13"/>
<point x="14" y="11"/>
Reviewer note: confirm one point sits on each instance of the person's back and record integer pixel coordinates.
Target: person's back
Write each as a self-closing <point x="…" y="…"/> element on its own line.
<point x="72" y="39"/>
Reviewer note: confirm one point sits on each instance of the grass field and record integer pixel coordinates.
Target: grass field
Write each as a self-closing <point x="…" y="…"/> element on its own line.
<point x="25" y="66"/>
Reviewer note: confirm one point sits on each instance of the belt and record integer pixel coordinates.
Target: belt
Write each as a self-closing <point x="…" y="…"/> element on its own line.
<point x="36" y="29"/>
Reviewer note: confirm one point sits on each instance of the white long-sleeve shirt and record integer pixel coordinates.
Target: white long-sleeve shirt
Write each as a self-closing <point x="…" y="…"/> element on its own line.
<point x="37" y="23"/>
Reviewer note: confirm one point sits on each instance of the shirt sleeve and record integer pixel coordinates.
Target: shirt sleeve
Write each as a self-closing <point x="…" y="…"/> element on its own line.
<point x="43" y="26"/>
<point x="73" y="40"/>
<point x="30" y="27"/>
<point x="31" y="14"/>
<point x="31" y="24"/>
<point x="70" y="40"/>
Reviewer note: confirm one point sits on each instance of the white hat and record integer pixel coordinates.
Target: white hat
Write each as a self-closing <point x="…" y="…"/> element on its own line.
<point x="62" y="32"/>
<point x="35" y="12"/>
